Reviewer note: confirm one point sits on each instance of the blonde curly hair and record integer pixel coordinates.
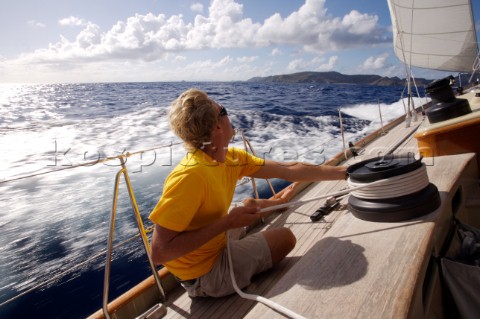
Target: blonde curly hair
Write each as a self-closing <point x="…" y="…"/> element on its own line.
<point x="192" y="117"/>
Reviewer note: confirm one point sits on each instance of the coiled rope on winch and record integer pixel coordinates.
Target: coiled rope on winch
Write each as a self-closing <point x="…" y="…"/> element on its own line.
<point x="395" y="186"/>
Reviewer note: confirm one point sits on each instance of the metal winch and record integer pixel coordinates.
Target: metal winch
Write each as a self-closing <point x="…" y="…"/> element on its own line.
<point x="391" y="188"/>
<point x="445" y="105"/>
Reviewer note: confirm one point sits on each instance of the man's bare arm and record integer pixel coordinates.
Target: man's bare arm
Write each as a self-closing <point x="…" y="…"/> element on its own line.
<point x="300" y="172"/>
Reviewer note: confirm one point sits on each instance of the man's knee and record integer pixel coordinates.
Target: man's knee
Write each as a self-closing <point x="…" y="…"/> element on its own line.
<point x="288" y="237"/>
<point x="281" y="241"/>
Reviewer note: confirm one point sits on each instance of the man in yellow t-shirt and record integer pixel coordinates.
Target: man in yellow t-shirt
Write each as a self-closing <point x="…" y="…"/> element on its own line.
<point x="192" y="217"/>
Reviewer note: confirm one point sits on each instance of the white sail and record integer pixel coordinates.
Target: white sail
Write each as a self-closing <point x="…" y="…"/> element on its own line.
<point x="434" y="34"/>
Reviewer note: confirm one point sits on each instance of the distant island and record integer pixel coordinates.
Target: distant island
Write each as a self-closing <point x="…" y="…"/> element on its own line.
<point x="337" y="78"/>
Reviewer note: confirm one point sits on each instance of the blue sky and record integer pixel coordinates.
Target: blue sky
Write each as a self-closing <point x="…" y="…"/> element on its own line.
<point x="210" y="40"/>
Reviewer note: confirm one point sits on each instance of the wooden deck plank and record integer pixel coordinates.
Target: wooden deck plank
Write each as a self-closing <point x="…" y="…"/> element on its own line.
<point x="393" y="138"/>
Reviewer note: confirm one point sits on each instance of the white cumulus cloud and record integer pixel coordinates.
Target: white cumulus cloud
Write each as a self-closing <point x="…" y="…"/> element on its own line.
<point x="329" y="65"/>
<point x="179" y="58"/>
<point x="247" y="59"/>
<point x="358" y="23"/>
<point x="151" y="37"/>
<point x="276" y="52"/>
<point x="375" y="63"/>
<point x="35" y="24"/>
<point x="207" y="64"/>
<point x="297" y="65"/>
<point x="197" y="7"/>
<point x="317" y="64"/>
<point x="72" y="21"/>
<point x="313" y="29"/>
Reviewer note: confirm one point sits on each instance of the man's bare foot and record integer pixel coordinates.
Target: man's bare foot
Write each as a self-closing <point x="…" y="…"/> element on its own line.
<point x="286" y="194"/>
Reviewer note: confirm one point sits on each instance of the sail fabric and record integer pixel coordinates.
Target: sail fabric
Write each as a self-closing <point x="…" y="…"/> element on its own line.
<point x="434" y="34"/>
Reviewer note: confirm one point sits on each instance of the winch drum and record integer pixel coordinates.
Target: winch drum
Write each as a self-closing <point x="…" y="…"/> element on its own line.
<point x="395" y="208"/>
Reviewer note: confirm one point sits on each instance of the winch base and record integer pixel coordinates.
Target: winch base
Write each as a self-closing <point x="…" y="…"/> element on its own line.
<point x="396" y="209"/>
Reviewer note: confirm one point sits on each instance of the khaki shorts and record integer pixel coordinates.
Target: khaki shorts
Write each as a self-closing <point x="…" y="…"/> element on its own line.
<point x="250" y="256"/>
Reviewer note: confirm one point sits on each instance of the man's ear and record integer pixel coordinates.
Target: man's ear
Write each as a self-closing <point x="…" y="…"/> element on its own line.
<point x="217" y="127"/>
<point x="216" y="130"/>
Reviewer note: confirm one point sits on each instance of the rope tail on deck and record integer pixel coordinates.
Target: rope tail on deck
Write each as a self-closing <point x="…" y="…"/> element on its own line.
<point x="275" y="306"/>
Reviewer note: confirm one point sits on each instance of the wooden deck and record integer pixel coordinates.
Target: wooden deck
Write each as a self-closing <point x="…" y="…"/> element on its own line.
<point x="343" y="267"/>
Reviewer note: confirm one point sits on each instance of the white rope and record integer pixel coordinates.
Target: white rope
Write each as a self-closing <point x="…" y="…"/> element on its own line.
<point x="396" y="186"/>
<point x="287" y="312"/>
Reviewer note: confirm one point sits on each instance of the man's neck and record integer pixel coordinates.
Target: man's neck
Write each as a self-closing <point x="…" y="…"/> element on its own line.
<point x="215" y="153"/>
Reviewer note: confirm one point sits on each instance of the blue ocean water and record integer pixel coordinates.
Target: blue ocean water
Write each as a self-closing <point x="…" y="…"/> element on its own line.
<point x="56" y="196"/>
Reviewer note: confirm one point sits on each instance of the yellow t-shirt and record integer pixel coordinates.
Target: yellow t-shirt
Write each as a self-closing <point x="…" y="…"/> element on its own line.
<point x="196" y="193"/>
